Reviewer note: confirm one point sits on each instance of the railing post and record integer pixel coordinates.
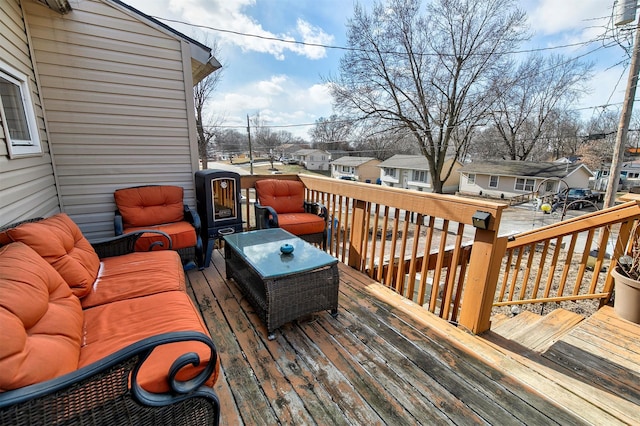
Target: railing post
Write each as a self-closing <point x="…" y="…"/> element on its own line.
<point x="482" y="279"/>
<point x="357" y="234"/>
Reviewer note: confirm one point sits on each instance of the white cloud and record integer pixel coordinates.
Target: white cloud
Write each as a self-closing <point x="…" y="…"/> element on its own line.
<point x="229" y="15"/>
<point x="549" y="17"/>
<point x="293" y="104"/>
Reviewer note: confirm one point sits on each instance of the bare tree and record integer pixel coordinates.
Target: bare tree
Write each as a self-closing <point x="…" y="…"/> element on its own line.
<point x="206" y="123"/>
<point x="531" y="94"/>
<point x="231" y="141"/>
<point x="427" y="71"/>
<point x="330" y="133"/>
<point x="267" y="139"/>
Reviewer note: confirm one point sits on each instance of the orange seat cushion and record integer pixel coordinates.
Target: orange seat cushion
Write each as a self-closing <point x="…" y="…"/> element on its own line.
<point x="136" y="275"/>
<point x="285" y="196"/>
<point x="301" y="223"/>
<point x="61" y="243"/>
<point x="182" y="234"/>
<point x="111" y="327"/>
<point x="40" y="320"/>
<point x="150" y="205"/>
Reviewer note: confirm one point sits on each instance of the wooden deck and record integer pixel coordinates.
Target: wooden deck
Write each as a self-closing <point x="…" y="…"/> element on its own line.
<point x="385" y="360"/>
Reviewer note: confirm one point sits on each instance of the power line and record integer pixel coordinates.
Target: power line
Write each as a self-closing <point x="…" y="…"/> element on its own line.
<point x="354" y="49"/>
<point x="279" y="126"/>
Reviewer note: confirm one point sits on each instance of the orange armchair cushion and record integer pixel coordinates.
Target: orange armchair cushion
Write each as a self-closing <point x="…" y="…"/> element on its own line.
<point x="61" y="243"/>
<point x="40" y="320"/>
<point x="182" y="234"/>
<point x="150" y="205"/>
<point x="301" y="223"/>
<point x="111" y="327"/>
<point x="285" y="196"/>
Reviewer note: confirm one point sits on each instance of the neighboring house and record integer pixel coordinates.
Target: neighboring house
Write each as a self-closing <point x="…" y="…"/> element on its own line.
<point x="110" y="106"/>
<point x="412" y="172"/>
<point x="313" y="159"/>
<point x="509" y="178"/>
<point x="363" y="169"/>
<point x="629" y="176"/>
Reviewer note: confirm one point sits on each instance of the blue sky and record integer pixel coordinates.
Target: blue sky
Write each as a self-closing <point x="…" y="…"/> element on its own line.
<point x="282" y="82"/>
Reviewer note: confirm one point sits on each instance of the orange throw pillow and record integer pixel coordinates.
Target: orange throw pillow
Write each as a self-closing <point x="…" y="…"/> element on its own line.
<point x="41" y="320"/>
<point x="61" y="243"/>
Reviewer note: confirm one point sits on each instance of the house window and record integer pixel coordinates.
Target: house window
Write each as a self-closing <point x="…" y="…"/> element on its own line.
<point x="549" y="186"/>
<point x="419" y="176"/>
<point x="493" y="181"/>
<point x="471" y="178"/>
<point x="525" y="184"/>
<point x="389" y="172"/>
<point x="17" y="115"/>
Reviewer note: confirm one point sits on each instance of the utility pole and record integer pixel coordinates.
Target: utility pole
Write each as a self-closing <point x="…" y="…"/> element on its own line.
<point x="623" y="126"/>
<point x="250" y="150"/>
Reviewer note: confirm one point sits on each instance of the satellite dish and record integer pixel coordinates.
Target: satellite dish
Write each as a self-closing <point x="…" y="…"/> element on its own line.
<point x="625" y="11"/>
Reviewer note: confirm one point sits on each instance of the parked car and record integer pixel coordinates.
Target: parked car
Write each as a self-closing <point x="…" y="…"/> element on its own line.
<point x="580" y="197"/>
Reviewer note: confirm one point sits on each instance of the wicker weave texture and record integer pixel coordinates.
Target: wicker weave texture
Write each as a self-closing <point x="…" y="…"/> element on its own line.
<point x="279" y="301"/>
<point x="105" y="399"/>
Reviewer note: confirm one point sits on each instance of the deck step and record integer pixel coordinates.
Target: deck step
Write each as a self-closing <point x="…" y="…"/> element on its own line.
<point x="538" y="332"/>
<point x="514" y="325"/>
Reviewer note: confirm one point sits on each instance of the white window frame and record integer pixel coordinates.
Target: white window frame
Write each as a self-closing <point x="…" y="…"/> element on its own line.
<point x="530" y="183"/>
<point x="471" y="178"/>
<point x="419" y="176"/>
<point x="20" y="147"/>
<point x="497" y="182"/>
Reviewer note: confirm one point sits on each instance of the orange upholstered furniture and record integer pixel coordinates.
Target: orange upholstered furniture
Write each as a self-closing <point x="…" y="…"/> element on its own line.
<point x="159" y="208"/>
<point x="281" y="203"/>
<point x="67" y="315"/>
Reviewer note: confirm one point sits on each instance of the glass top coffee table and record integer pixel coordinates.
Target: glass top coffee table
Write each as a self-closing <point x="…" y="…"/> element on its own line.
<point x="281" y="287"/>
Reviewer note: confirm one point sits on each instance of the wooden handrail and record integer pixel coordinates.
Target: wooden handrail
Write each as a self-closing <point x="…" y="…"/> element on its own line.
<point x="558" y="263"/>
<point x="387" y="232"/>
<point x="424" y="247"/>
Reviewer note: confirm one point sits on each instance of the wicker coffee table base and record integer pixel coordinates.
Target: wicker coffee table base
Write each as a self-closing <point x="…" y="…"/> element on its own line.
<point x="286" y="298"/>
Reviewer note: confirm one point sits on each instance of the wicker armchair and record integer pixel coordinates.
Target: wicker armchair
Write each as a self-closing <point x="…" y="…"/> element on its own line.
<point x="159" y="208"/>
<point x="107" y="393"/>
<point x="281" y="204"/>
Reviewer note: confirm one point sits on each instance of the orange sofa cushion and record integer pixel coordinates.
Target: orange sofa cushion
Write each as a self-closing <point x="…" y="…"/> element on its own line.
<point x="301" y="223"/>
<point x="182" y="234"/>
<point x="285" y="196"/>
<point x="111" y="327"/>
<point x="61" y="243"/>
<point x="40" y="320"/>
<point x="150" y="205"/>
<point x="135" y="275"/>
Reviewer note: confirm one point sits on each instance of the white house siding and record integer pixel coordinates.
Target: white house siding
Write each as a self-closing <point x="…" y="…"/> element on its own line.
<point x="113" y="89"/>
<point x="27" y="184"/>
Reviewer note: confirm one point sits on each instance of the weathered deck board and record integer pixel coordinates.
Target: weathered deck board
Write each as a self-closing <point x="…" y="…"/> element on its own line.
<point x="382" y="361"/>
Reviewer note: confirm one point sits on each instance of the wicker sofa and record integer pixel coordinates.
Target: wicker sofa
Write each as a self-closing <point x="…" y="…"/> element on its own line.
<point x="99" y="334"/>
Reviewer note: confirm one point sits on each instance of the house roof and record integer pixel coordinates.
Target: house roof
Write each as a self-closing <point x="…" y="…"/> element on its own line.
<point x="522" y="168"/>
<point x="404" y="161"/>
<point x="203" y="62"/>
<point x="308" y="151"/>
<point x="352" y="161"/>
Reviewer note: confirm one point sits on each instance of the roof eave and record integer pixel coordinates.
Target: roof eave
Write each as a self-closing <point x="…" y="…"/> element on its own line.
<point x="60" y="6"/>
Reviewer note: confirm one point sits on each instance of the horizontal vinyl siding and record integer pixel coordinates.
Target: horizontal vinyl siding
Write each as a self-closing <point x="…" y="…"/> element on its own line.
<point x="27" y="184"/>
<point x="114" y="92"/>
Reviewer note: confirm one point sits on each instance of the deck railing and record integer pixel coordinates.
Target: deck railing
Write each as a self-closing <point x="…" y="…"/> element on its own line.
<point x="425" y="246"/>
<point x="418" y="244"/>
<point x="566" y="261"/>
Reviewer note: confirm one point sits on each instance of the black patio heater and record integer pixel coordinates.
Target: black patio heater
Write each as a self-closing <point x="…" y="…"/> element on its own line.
<point x="218" y="196"/>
